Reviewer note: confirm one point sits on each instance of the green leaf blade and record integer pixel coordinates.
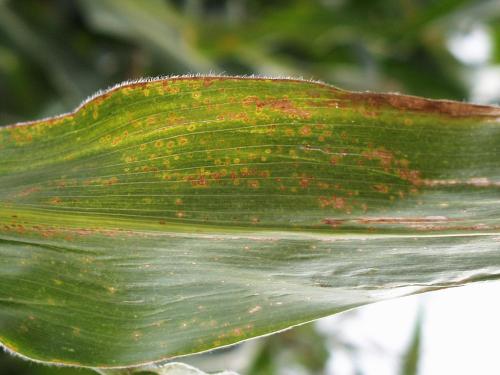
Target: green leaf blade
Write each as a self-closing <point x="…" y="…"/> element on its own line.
<point x="174" y="216"/>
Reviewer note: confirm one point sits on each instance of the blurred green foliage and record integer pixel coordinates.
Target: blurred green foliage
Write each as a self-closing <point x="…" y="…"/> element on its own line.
<point x="54" y="53"/>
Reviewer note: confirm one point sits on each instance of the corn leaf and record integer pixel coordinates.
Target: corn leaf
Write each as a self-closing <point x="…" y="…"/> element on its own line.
<point x="174" y="216"/>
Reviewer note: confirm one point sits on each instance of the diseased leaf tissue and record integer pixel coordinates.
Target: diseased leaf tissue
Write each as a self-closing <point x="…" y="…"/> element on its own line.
<point x="172" y="216"/>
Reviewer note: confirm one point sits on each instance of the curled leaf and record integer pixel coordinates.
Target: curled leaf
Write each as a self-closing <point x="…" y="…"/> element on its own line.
<point x="174" y="368"/>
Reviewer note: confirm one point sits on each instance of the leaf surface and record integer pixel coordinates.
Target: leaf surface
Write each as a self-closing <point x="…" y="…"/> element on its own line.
<point x="178" y="215"/>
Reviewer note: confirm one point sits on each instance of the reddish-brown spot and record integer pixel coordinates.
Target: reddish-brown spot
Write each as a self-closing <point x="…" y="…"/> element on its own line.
<point x="402" y="220"/>
<point x="249" y="100"/>
<point x="116" y="141"/>
<point x="385" y="157"/>
<point x="412" y="176"/>
<point x="305" y="131"/>
<point x="334" y="160"/>
<point x="283" y="105"/>
<point x="208" y="81"/>
<point x="197" y="180"/>
<point x="334" y="223"/>
<point x="331" y="103"/>
<point x="304" y="183"/>
<point x="338" y="202"/>
<point x="254" y="184"/>
<point x="28" y="191"/>
<point x="55" y="200"/>
<point x="111" y="181"/>
<point x="334" y="202"/>
<point x="413" y="103"/>
<point x="381" y="188"/>
<point x="237" y="116"/>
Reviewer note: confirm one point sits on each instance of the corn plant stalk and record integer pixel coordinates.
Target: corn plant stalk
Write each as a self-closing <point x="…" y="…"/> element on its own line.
<point x="172" y="216"/>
